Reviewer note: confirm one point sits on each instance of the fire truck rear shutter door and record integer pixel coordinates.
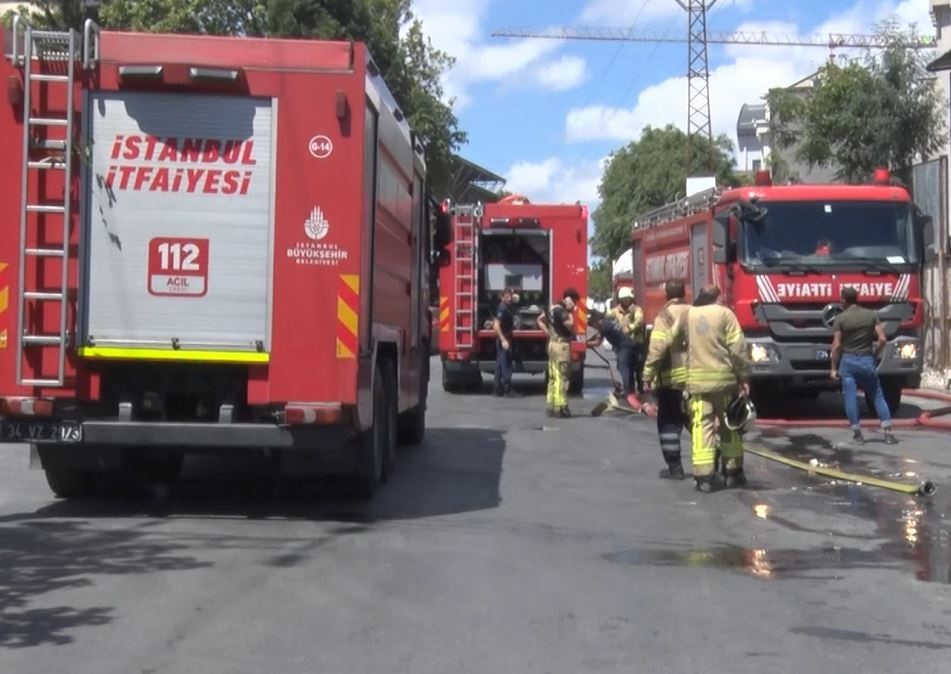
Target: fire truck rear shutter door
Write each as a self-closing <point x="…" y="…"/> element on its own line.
<point x="180" y="227"/>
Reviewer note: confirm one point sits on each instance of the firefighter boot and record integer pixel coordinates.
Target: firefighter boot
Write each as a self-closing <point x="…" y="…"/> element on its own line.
<point x="707" y="484"/>
<point x="733" y="475"/>
<point x="674" y="469"/>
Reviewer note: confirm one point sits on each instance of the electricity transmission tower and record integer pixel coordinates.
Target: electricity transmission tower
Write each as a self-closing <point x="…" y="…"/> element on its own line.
<point x="698" y="72"/>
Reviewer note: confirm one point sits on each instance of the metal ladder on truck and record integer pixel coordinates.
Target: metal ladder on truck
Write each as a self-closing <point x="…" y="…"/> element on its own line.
<point x="49" y="59"/>
<point x="465" y="261"/>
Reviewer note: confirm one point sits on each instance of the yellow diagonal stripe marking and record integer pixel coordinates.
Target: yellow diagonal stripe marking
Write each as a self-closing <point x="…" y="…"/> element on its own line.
<point x="3" y="265"/>
<point x="343" y="351"/>
<point x="4" y="299"/>
<point x="444" y="314"/>
<point x="347" y="316"/>
<point x="352" y="281"/>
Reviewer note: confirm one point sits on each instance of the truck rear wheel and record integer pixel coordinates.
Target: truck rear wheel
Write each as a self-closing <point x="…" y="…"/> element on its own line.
<point x="411" y="425"/>
<point x="391" y="391"/>
<point x="69" y="483"/>
<point x="372" y="445"/>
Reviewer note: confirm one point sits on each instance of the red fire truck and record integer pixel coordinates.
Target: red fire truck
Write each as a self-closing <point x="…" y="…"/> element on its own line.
<point x="781" y="255"/>
<point x="211" y="244"/>
<point x="540" y="250"/>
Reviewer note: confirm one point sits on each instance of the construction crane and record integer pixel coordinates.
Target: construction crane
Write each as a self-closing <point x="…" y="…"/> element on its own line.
<point x="697" y="39"/>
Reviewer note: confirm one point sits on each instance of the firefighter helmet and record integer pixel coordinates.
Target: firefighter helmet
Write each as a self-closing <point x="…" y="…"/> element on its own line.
<point x="740" y="414"/>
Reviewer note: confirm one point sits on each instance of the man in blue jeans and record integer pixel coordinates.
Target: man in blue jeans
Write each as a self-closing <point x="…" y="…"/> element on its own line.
<point x="858" y="338"/>
<point x="504" y="325"/>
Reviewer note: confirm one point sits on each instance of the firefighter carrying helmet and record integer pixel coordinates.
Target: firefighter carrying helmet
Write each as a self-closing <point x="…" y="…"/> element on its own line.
<point x="740" y="414"/>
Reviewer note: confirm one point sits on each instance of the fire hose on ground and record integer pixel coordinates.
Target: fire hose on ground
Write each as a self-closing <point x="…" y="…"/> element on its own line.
<point x="927" y="419"/>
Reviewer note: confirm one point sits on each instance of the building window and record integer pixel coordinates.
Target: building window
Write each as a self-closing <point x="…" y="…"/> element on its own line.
<point x="757" y="164"/>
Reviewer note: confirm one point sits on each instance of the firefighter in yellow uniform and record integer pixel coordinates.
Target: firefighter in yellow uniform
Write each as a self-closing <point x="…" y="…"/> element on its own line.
<point x="630" y="317"/>
<point x="717" y="371"/>
<point x="558" y="325"/>
<point x="665" y="372"/>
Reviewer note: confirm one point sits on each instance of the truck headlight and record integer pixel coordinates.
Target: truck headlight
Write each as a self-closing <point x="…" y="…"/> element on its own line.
<point x="908" y="351"/>
<point x="762" y="353"/>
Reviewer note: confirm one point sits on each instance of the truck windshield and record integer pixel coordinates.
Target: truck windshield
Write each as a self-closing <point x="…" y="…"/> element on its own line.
<point x="830" y="233"/>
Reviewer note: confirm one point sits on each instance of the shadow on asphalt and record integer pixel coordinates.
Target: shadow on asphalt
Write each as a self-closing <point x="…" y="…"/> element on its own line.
<point x="39" y="557"/>
<point x="455" y="470"/>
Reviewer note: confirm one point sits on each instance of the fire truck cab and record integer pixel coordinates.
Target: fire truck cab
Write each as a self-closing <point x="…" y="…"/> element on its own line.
<point x="781" y="255"/>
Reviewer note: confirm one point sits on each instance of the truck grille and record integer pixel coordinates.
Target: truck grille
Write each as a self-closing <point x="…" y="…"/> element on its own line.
<point x="804" y="322"/>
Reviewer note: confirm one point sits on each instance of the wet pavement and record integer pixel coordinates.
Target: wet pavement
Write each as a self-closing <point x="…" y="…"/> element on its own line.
<point x="508" y="542"/>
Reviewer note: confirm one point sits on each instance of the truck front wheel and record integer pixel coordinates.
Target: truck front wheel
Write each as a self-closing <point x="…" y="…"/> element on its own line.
<point x="576" y="382"/>
<point x="69" y="483"/>
<point x="892" y="390"/>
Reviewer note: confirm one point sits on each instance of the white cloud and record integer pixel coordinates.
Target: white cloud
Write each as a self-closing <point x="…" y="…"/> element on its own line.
<point x="555" y="181"/>
<point x="563" y="74"/>
<point x="750" y="73"/>
<point x="456" y="27"/>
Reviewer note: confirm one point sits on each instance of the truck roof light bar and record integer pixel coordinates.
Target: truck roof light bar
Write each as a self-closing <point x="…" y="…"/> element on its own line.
<point x="882" y="176"/>
<point x="140" y="72"/>
<point x="217" y="74"/>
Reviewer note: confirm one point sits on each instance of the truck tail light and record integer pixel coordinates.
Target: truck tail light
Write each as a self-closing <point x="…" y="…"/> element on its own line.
<point x="26" y="407"/>
<point x="881" y="176"/>
<point x="299" y="414"/>
<point x="458" y="355"/>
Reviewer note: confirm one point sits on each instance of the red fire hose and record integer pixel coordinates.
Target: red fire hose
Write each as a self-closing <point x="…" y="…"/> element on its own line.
<point x="926" y="419"/>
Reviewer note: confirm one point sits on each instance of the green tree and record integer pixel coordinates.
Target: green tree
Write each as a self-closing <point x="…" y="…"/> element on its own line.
<point x="883" y="110"/>
<point x="645" y="174"/>
<point x="599" y="280"/>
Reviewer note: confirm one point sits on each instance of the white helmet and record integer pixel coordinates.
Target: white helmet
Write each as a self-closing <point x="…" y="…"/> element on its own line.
<point x="625" y="293"/>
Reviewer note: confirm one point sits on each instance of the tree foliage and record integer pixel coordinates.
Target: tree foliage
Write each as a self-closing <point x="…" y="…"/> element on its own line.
<point x="599" y="280"/>
<point x="881" y="110"/>
<point x="648" y="173"/>
<point x="411" y="66"/>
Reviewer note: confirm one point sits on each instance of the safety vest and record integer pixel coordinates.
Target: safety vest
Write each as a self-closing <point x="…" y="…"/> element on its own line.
<point x="666" y="363"/>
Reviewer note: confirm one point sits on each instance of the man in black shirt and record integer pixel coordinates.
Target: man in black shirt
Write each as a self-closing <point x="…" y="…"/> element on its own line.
<point x="622" y="344"/>
<point x="504" y="324"/>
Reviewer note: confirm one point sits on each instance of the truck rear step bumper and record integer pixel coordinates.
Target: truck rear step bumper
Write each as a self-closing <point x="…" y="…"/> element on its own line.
<point x="195" y="436"/>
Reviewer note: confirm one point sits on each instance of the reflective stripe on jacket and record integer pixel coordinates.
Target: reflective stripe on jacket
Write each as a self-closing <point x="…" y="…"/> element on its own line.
<point x="666" y="364"/>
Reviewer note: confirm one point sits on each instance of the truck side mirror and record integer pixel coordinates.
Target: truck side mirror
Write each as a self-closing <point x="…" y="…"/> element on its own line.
<point x="721" y="239"/>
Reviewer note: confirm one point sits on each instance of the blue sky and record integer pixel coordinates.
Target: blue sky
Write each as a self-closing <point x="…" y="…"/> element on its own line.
<point x="545" y="114"/>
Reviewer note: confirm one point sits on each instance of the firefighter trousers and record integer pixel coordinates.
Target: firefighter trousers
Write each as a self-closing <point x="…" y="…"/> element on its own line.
<point x="670" y="423"/>
<point x="559" y="361"/>
<point x="707" y="429"/>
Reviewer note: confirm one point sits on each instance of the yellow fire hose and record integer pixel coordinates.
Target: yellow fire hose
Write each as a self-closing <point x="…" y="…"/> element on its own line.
<point x="925" y="488"/>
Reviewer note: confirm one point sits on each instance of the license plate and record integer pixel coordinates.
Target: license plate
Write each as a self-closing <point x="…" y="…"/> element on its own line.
<point x="822" y="354"/>
<point x="39" y="431"/>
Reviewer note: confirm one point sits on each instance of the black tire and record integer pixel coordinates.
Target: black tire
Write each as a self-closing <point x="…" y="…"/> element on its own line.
<point x="70" y="483"/>
<point x="576" y="381"/>
<point x="371" y="445"/>
<point x="892" y="390"/>
<point x="391" y="389"/>
<point x="411" y="425"/>
<point x="450" y="383"/>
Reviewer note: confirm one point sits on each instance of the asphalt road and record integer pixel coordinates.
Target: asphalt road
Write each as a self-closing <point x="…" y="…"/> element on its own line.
<point x="508" y="543"/>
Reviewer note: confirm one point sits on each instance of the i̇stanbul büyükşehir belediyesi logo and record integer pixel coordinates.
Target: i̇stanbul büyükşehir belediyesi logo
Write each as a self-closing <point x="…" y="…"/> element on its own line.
<point x="317" y="225"/>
